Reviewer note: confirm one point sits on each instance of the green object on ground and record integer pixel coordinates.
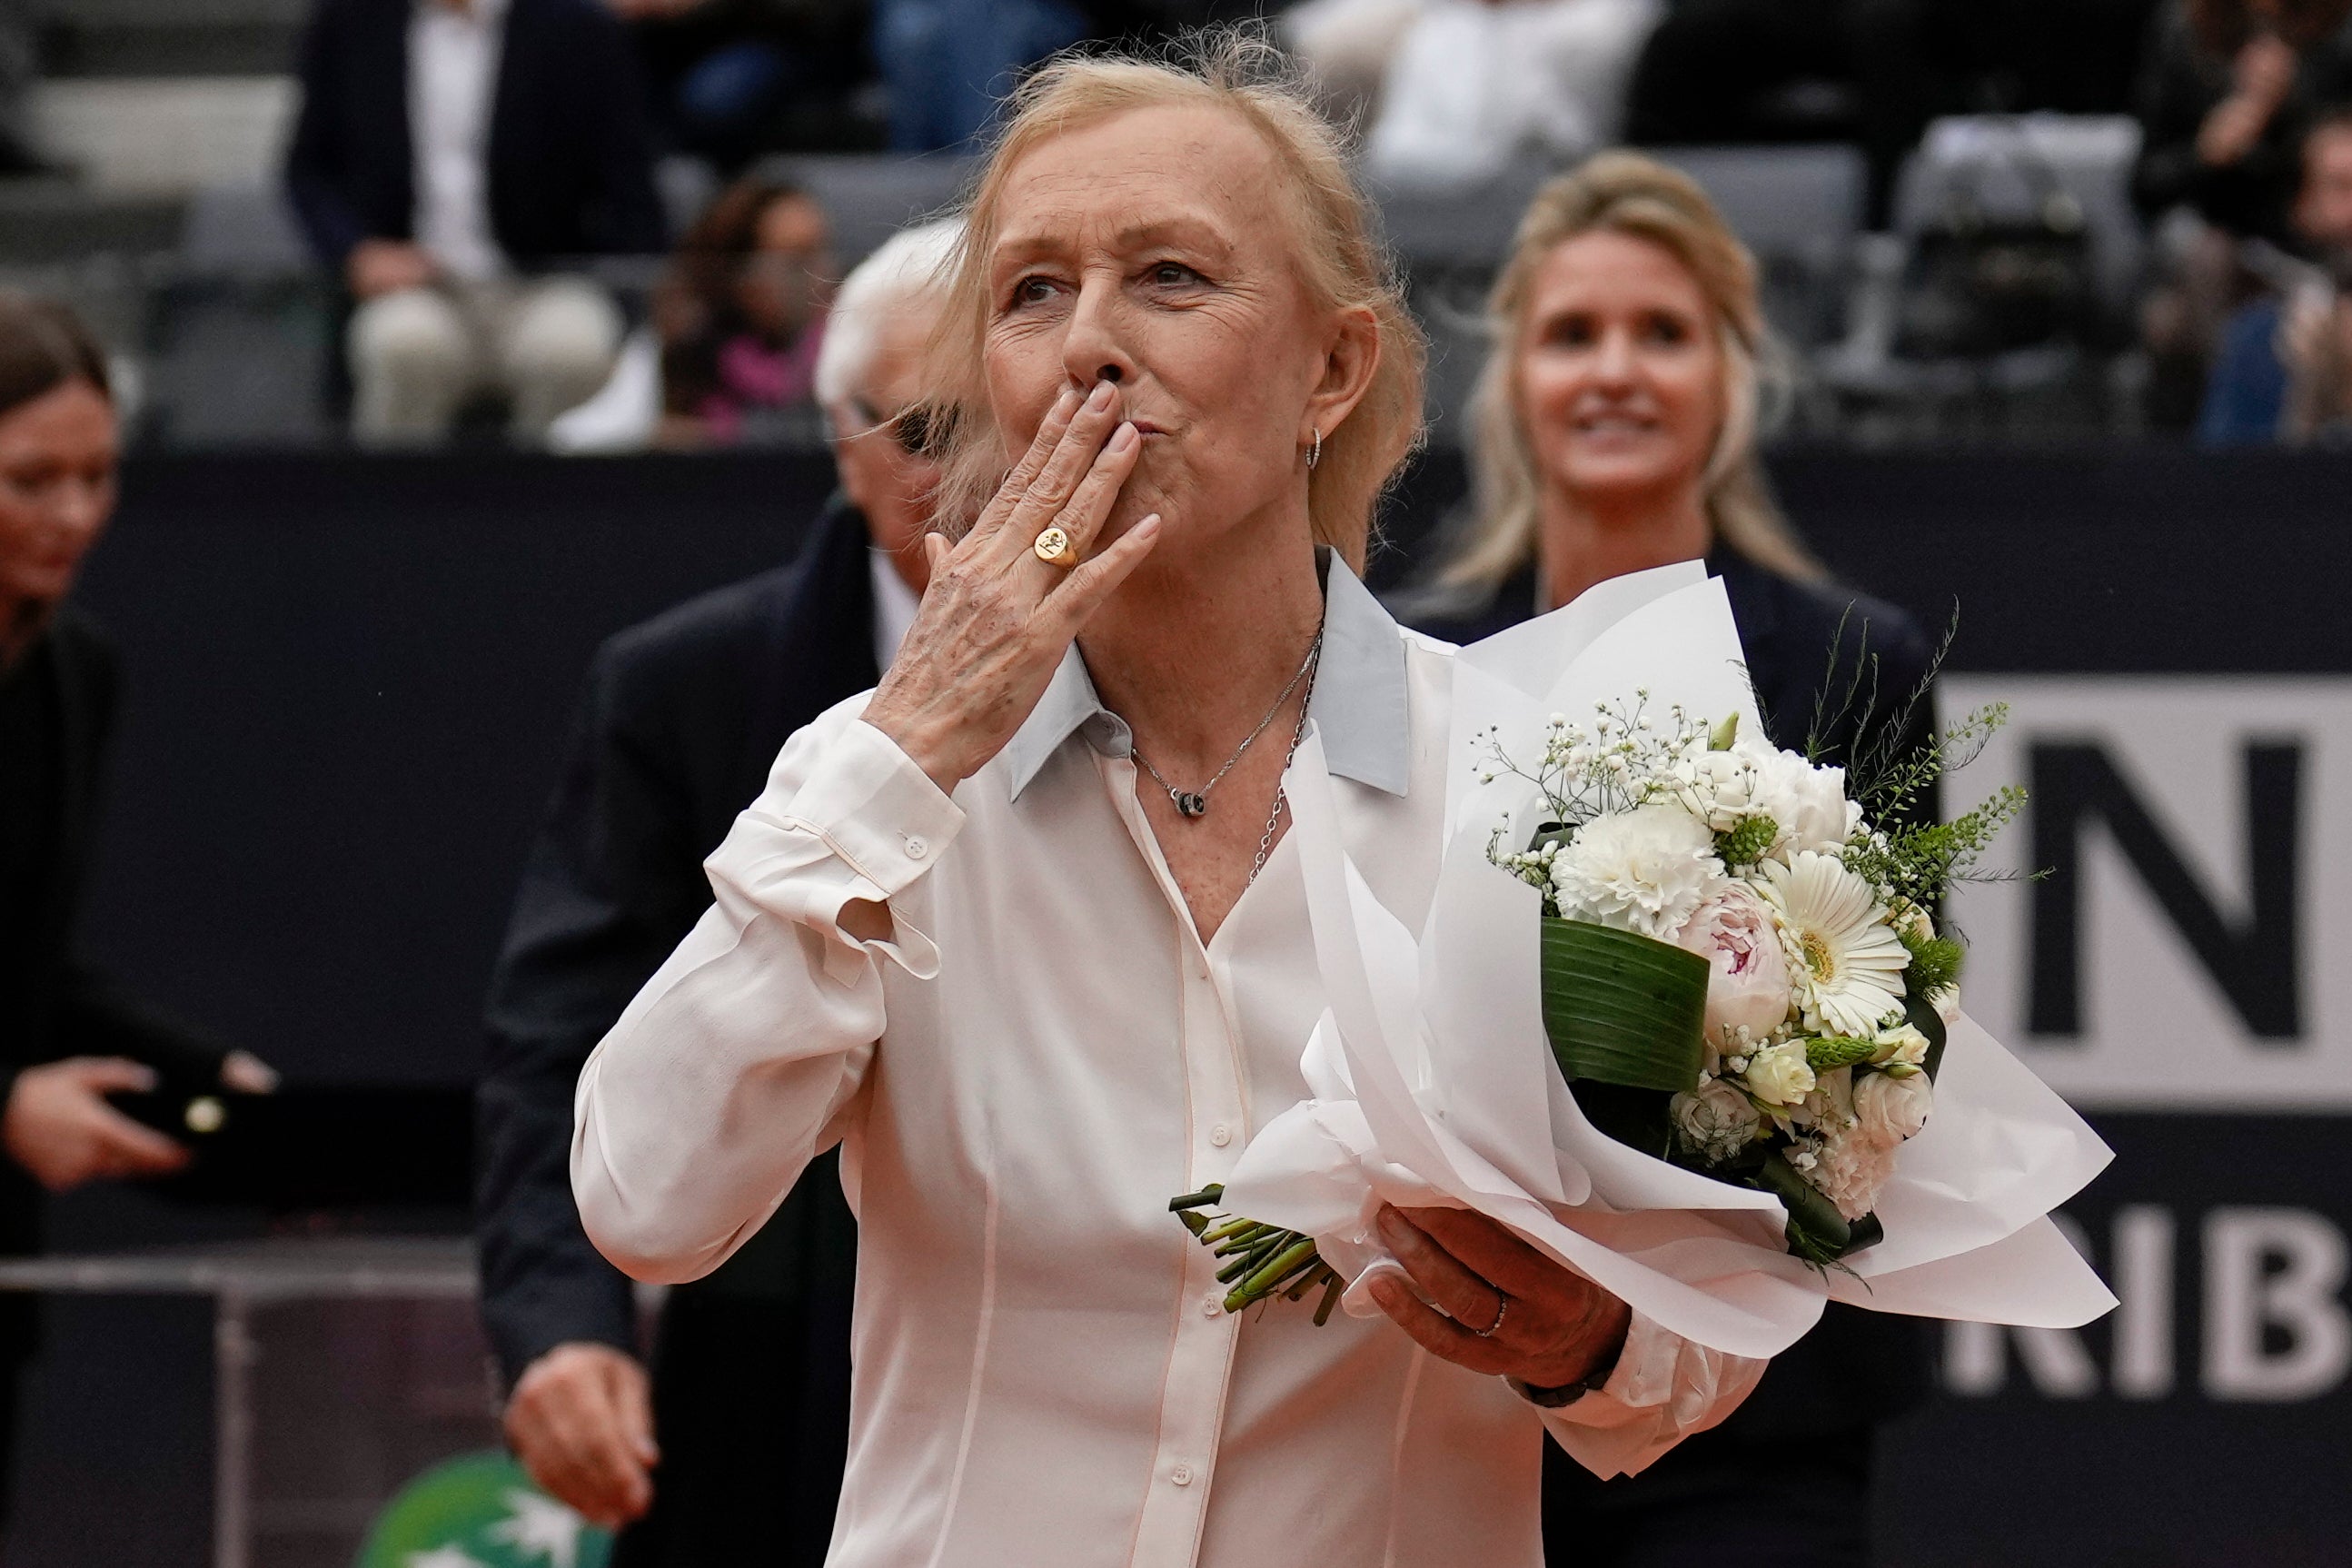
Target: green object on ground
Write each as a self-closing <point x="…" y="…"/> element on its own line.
<point x="481" y="1511"/>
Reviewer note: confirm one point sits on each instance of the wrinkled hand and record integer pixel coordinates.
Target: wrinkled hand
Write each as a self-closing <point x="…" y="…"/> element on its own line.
<point x="386" y="267"/>
<point x="582" y="1423"/>
<point x="58" y="1126"/>
<point x="995" y="620"/>
<point x="1559" y="1327"/>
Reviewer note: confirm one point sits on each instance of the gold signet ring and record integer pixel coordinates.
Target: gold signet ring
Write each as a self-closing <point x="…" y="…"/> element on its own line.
<point x="1053" y="547"/>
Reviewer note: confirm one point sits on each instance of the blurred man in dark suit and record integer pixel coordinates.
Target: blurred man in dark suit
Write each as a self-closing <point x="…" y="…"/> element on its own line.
<point x="451" y="158"/>
<point x="732" y="1452"/>
<point x="67" y="1039"/>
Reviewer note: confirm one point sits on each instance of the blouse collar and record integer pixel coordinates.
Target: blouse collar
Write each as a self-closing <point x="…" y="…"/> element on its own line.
<point x="1359" y="703"/>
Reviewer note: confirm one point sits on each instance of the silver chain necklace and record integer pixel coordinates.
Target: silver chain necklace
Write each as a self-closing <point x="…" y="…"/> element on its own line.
<point x="1195" y="802"/>
<point x="1274" y="817"/>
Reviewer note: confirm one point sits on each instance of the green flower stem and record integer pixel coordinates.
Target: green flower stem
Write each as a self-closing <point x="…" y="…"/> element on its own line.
<point x="1244" y="1240"/>
<point x="1201" y="1199"/>
<point x="1225" y="1230"/>
<point x="1331" y="1294"/>
<point x="1242" y="1266"/>
<point x="1264" y="1281"/>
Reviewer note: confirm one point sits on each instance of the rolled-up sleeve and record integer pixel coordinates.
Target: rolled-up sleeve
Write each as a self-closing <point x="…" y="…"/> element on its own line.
<point x="1665" y="1388"/>
<point x="744" y="1054"/>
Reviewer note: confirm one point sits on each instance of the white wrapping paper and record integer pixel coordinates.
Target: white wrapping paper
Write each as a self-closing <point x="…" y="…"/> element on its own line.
<point x="1431" y="1082"/>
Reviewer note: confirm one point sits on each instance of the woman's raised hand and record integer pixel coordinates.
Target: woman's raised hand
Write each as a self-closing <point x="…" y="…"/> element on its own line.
<point x="995" y="620"/>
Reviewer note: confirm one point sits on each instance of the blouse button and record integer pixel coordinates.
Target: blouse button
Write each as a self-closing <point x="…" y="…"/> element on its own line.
<point x="1211" y="1303"/>
<point x="916" y="848"/>
<point x="1221" y="1134"/>
<point x="1182" y="1475"/>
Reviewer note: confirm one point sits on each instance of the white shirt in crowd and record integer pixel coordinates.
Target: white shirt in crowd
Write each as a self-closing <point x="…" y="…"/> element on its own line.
<point x="895" y="604"/>
<point x="1042" y="1054"/>
<point x="453" y="73"/>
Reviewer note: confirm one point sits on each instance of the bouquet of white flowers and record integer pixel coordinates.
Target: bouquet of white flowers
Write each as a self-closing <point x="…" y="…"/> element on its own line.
<point x="1749" y="1009"/>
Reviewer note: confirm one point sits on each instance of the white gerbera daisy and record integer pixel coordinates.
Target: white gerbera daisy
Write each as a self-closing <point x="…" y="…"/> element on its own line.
<point x="1845" y="963"/>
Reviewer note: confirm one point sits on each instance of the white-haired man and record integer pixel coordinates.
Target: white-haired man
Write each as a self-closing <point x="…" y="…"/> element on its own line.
<point x="748" y="1395"/>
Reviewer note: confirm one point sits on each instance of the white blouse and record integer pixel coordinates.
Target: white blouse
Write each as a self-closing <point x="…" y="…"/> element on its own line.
<point x="1040" y="1057"/>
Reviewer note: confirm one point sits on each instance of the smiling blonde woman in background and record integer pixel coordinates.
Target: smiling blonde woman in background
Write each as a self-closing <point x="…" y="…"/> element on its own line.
<point x="1614" y="429"/>
<point x="1023" y="933"/>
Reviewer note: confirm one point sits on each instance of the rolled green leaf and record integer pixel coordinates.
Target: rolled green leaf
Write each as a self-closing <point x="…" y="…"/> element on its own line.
<point x="1816" y="1229"/>
<point x="1623" y="1008"/>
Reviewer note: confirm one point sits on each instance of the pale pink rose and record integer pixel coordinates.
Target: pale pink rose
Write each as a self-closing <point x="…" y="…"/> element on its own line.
<point x="1890" y="1109"/>
<point x="1749" y="985"/>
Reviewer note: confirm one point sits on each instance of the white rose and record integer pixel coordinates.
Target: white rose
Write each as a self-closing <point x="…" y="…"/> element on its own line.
<point x="1717" y="1120"/>
<point x="1646" y="870"/>
<point x="1718" y="789"/>
<point x="1748" y="985"/>
<point x="1807" y="803"/>
<point x="1947" y="1004"/>
<point x="1889" y="1110"/>
<point x="1902" y="1044"/>
<point x="1780" y="1075"/>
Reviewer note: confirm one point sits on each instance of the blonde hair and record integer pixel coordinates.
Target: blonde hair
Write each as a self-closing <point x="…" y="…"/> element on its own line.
<point x="1340" y="265"/>
<point x="1620" y="193"/>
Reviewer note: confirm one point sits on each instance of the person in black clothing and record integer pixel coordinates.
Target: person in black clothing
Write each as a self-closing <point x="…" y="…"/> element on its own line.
<point x="2227" y="91"/>
<point x="68" y="1038"/>
<point x="451" y="159"/>
<point x="682" y="719"/>
<point x="1614" y="431"/>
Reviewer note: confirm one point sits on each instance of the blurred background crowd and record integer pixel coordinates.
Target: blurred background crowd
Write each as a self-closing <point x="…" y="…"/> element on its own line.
<point x="444" y="348"/>
<point x="1977" y="218"/>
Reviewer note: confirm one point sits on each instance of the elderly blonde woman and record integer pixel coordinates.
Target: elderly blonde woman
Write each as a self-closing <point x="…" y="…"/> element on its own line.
<point x="1023" y="932"/>
<point x="1614" y="429"/>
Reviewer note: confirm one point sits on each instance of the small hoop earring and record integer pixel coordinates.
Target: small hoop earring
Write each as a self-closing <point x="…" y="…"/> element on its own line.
<point x="1315" y="453"/>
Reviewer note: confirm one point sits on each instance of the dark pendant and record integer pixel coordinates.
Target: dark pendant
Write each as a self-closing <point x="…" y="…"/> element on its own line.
<point x="1193" y="805"/>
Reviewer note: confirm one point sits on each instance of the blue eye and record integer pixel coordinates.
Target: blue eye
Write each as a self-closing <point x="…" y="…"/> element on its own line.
<point x="1173" y="275"/>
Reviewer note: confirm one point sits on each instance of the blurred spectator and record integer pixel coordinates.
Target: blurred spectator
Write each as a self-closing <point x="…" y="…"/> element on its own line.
<point x="2228" y="88"/>
<point x="19" y="67"/>
<point x="2226" y="94"/>
<point x="947" y="63"/>
<point x="1474" y="83"/>
<point x="69" y="1041"/>
<point x="682" y="718"/>
<point x="1874" y="71"/>
<point x="2280" y="370"/>
<point x="743" y="317"/>
<point x="450" y="156"/>
<point x="728" y="79"/>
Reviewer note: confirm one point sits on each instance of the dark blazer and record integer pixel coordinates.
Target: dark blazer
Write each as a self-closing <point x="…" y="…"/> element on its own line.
<point x="681" y="720"/>
<point x="570" y="171"/>
<point x="53" y="1003"/>
<point x="1857" y="1368"/>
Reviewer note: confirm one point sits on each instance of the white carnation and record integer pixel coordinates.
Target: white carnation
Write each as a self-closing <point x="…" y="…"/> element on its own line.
<point x="1851" y="1170"/>
<point x="1646" y="870"/>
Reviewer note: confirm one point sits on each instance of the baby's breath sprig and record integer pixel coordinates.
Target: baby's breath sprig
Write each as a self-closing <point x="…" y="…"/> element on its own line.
<point x="1623" y="759"/>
